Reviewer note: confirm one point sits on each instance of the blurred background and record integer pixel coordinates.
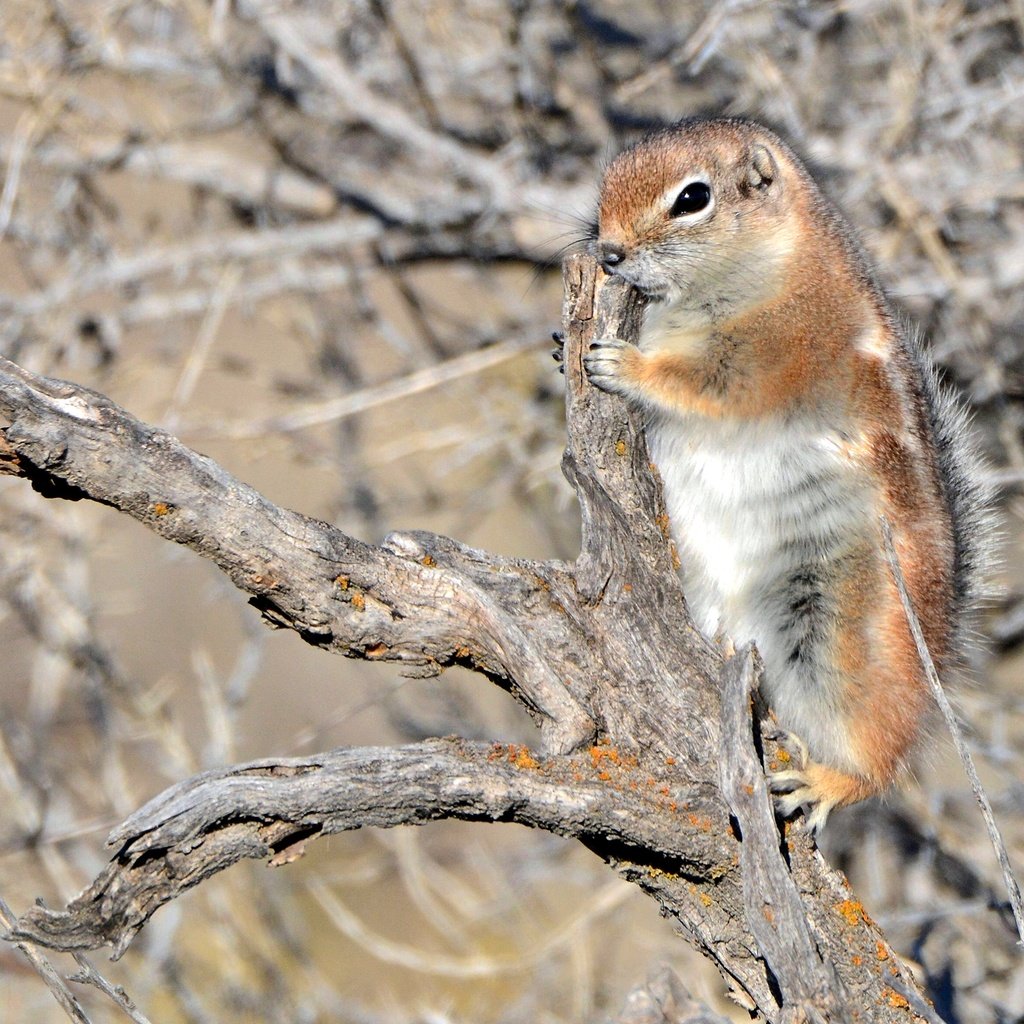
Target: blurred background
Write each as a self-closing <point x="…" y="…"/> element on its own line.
<point x="320" y="241"/>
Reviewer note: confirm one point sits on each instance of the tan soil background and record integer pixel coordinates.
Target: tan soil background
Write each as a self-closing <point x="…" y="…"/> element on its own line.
<point x="319" y="241"/>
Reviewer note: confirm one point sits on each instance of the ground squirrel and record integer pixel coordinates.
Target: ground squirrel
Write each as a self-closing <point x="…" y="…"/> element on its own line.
<point x="788" y="409"/>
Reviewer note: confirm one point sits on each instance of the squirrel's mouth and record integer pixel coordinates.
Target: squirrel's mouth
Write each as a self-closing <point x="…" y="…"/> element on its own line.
<point x="641" y="279"/>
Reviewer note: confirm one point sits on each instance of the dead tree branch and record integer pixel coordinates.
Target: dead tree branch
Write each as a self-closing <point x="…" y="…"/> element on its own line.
<point x="772" y="903"/>
<point x="603" y="646"/>
<point x="665" y="1000"/>
<point x="51" y="978"/>
<point x="273" y="807"/>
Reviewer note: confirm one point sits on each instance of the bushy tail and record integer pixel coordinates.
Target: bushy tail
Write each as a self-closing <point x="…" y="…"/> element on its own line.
<point x="970" y="494"/>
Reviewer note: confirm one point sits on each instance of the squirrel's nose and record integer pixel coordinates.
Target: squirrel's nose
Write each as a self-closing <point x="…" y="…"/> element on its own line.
<point x="610" y="255"/>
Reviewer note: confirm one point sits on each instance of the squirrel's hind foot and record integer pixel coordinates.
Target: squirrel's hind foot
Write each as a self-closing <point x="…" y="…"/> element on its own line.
<point x="813" y="786"/>
<point x="793" y="790"/>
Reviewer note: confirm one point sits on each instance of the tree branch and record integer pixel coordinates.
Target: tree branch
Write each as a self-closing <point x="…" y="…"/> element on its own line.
<point x="809" y="987"/>
<point x="663" y="999"/>
<point x="421" y="600"/>
<point x="51" y="978"/>
<point x="273" y="807"/>
<point x="603" y="643"/>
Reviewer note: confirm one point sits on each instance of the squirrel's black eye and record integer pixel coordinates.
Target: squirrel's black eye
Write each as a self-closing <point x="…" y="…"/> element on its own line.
<point x="694" y="198"/>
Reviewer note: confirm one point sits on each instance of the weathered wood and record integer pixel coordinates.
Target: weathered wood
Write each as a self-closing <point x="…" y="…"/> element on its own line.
<point x="421" y="600"/>
<point x="809" y="988"/>
<point x="273" y="807"/>
<point x="665" y="1000"/>
<point x="601" y="646"/>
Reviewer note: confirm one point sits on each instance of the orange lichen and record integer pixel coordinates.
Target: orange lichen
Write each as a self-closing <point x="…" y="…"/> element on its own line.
<point x="376" y="651"/>
<point x="358" y="602"/>
<point x="662" y="521"/>
<point x="620" y="447"/>
<point x="627" y="588"/>
<point x="783" y="755"/>
<point x="670" y="760"/>
<point x="856" y="961"/>
<point x="880" y="951"/>
<point x="705" y="899"/>
<point x="462" y="652"/>
<point x="342" y="582"/>
<point x="161" y="508"/>
<point x="663" y="791"/>
<point x="521" y="757"/>
<point x="895" y="1000"/>
<point x="428" y="561"/>
<point x="852" y="911"/>
<point x="676" y="560"/>
<point x="600" y="753"/>
<point x="704" y="824"/>
<point x="603" y="776"/>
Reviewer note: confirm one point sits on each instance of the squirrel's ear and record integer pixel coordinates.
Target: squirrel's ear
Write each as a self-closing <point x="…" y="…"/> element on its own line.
<point x="761" y="168"/>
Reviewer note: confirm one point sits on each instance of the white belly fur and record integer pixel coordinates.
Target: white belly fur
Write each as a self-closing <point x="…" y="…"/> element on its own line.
<point x="762" y="513"/>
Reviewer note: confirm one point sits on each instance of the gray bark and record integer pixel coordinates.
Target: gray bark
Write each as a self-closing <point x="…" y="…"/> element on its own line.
<point x="626" y="692"/>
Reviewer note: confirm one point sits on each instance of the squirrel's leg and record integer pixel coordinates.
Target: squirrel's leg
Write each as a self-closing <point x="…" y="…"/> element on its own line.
<point x="882" y="722"/>
<point x="878" y="702"/>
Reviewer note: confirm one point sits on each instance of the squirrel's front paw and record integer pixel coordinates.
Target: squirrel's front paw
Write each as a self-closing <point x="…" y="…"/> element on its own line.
<point x="605" y="364"/>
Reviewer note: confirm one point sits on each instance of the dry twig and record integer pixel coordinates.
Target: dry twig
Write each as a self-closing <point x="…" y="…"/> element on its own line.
<point x="949" y="716"/>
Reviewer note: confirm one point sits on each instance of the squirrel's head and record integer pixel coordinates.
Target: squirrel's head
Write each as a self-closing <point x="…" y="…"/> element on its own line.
<point x="703" y="215"/>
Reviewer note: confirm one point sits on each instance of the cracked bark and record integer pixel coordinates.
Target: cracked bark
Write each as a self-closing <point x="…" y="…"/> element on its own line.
<point x="634" y="760"/>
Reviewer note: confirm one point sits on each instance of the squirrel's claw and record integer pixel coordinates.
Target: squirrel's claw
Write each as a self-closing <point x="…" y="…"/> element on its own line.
<point x="803" y="796"/>
<point x="558" y="352"/>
